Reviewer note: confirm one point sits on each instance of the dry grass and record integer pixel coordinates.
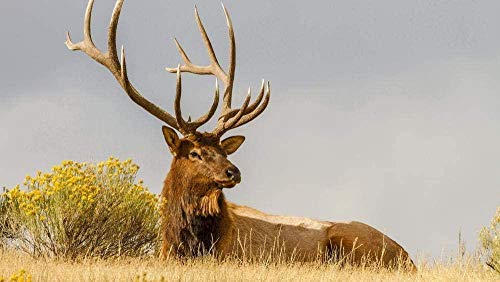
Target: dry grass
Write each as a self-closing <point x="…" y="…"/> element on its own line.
<point x="135" y="269"/>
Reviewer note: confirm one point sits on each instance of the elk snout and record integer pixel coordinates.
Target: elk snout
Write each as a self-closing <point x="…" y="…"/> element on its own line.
<point x="234" y="174"/>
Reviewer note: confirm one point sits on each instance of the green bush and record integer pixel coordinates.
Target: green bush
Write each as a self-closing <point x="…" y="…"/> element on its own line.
<point x="490" y="241"/>
<point x="84" y="210"/>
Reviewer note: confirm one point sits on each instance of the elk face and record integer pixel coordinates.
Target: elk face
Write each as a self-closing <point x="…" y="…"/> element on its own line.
<point x="204" y="156"/>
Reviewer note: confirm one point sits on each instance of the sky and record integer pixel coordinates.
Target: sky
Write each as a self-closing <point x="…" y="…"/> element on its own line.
<point x="385" y="112"/>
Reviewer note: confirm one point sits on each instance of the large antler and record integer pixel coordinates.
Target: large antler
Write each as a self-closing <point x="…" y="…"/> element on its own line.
<point x="119" y="71"/>
<point x="229" y="118"/>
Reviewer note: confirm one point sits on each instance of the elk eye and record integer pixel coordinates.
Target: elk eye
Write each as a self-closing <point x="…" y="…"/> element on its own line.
<point x="195" y="155"/>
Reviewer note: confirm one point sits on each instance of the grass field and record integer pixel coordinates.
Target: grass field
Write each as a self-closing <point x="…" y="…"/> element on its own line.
<point x="19" y="266"/>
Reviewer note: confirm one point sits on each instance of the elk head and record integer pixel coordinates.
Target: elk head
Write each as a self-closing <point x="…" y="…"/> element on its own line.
<point x="201" y="155"/>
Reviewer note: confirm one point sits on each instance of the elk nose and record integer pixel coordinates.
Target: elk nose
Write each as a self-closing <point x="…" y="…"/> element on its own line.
<point x="233" y="173"/>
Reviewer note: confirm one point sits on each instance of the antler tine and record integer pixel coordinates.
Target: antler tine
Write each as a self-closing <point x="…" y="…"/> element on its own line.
<point x="214" y="63"/>
<point x="111" y="62"/>
<point x="251" y="107"/>
<point x="205" y="118"/>
<point x="230" y="124"/>
<point x="188" y="66"/>
<point x="123" y="66"/>
<point x="113" y="25"/>
<point x="214" y="68"/>
<point x="246" y="113"/>
<point x="256" y="111"/>
<point x="184" y="56"/>
<point x="87" y="34"/>
<point x="183" y="127"/>
<point x="228" y="94"/>
<point x="87" y="45"/>
<point x="190" y="127"/>
<point x="257" y="101"/>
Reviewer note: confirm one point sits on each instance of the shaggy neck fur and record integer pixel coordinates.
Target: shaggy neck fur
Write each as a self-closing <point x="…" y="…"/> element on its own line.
<point x="195" y="214"/>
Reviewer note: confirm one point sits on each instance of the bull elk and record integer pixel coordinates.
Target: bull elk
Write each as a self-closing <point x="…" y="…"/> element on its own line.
<point x="196" y="218"/>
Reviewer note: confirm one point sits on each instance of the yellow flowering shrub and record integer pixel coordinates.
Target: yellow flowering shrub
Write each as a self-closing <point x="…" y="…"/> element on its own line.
<point x="81" y="209"/>
<point x="490" y="241"/>
<point x="20" y="276"/>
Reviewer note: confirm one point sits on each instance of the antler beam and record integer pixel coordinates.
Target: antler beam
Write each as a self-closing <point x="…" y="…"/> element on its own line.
<point x="111" y="62"/>
<point x="119" y="70"/>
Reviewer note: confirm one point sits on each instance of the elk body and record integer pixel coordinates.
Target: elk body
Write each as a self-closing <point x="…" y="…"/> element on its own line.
<point x="196" y="217"/>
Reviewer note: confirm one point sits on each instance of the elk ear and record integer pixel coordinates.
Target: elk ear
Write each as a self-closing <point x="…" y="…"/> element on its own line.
<point x="171" y="138"/>
<point x="231" y="144"/>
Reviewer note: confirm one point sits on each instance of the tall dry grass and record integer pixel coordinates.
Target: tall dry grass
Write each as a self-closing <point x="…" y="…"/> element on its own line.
<point x="19" y="265"/>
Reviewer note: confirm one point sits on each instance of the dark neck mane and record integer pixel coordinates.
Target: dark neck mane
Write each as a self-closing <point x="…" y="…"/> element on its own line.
<point x="194" y="214"/>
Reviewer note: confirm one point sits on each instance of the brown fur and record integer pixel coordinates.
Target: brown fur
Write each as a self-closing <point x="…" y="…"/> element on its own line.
<point x="197" y="220"/>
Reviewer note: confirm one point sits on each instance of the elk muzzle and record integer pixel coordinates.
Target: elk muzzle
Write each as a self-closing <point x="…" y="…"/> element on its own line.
<point x="232" y="177"/>
<point x="234" y="174"/>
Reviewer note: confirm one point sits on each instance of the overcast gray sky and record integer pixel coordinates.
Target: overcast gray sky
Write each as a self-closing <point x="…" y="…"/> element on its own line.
<point x="386" y="112"/>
